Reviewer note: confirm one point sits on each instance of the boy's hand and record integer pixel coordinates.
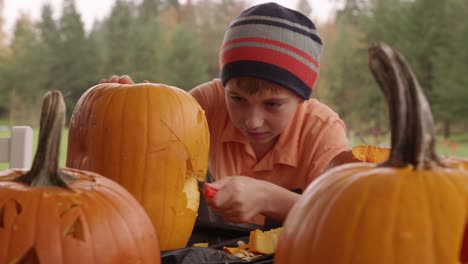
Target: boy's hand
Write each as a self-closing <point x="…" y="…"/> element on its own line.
<point x="124" y="79"/>
<point x="238" y="198"/>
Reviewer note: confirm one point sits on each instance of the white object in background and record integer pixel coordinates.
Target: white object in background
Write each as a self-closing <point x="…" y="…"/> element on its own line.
<point x="17" y="149"/>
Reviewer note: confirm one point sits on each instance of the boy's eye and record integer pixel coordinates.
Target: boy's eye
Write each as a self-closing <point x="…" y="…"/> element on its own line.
<point x="236" y="99"/>
<point x="272" y="105"/>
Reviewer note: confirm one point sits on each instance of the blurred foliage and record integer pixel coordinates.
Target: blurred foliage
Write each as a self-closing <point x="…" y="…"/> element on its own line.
<point x="177" y="43"/>
<point x="431" y="34"/>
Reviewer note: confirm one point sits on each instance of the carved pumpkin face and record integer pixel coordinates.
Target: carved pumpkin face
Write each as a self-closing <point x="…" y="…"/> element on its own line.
<point x="412" y="208"/>
<point x="97" y="221"/>
<point x="153" y="140"/>
<point x="48" y="215"/>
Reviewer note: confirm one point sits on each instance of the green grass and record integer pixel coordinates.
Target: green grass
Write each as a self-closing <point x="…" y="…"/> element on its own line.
<point x="63" y="146"/>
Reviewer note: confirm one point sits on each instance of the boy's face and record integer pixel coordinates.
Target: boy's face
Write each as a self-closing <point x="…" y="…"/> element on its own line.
<point x="261" y="116"/>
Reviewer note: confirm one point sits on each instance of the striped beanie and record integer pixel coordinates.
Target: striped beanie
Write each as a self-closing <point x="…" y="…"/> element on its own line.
<point x="274" y="43"/>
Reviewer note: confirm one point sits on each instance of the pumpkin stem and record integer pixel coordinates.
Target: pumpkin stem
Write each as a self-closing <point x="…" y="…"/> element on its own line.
<point x="412" y="125"/>
<point x="45" y="168"/>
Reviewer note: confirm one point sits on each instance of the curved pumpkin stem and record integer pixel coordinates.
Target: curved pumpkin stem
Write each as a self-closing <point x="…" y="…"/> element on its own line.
<point x="412" y="125"/>
<point x="45" y="168"/>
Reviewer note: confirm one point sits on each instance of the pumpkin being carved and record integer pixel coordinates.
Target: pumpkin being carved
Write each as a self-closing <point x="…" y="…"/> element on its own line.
<point x="412" y="208"/>
<point x="153" y="140"/>
<point x="67" y="216"/>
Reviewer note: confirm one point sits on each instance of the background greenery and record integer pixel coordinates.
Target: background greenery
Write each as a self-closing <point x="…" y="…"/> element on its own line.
<point x="168" y="42"/>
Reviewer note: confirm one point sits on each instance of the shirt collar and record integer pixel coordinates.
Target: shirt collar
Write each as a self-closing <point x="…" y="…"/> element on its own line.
<point x="285" y="151"/>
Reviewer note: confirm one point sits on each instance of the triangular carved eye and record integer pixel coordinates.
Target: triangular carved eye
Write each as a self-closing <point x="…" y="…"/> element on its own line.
<point x="75" y="230"/>
<point x="8" y="213"/>
<point x="71" y="220"/>
<point x="30" y="257"/>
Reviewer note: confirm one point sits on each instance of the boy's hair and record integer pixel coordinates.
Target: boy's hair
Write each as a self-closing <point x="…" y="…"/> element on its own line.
<point x="254" y="85"/>
<point x="274" y="43"/>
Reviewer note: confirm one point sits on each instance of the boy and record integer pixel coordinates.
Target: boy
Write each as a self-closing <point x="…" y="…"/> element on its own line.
<point x="267" y="136"/>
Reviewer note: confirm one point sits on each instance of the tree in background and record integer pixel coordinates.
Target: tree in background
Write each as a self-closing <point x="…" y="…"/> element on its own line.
<point x="3" y="36"/>
<point x="344" y="74"/>
<point x="181" y="64"/>
<point x="49" y="43"/>
<point x="4" y="61"/>
<point x="22" y="80"/>
<point x="145" y="42"/>
<point x="177" y="42"/>
<point x="450" y="80"/>
<point x="430" y="35"/>
<point x="77" y="70"/>
<point x="213" y="17"/>
<point x="117" y="33"/>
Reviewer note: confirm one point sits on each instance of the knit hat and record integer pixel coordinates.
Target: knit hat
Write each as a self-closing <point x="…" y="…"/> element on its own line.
<point x="274" y="43"/>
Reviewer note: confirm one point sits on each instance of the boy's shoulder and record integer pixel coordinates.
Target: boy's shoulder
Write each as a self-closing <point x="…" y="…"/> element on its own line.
<point x="314" y="109"/>
<point x="214" y="84"/>
<point x="210" y="94"/>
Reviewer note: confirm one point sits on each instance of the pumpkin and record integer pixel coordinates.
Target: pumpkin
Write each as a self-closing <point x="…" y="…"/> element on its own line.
<point x="360" y="153"/>
<point x="411" y="208"/>
<point x="52" y="215"/>
<point x="264" y="242"/>
<point x="152" y="139"/>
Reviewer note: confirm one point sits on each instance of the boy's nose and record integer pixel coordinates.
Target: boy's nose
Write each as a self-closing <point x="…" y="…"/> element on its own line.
<point x="253" y="121"/>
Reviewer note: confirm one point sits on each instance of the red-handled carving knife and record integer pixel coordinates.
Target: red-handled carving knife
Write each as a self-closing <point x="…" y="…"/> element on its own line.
<point x="209" y="192"/>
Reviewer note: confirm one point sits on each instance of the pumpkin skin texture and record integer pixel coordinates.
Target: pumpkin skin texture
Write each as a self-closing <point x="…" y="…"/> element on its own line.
<point x="51" y="215"/>
<point x="411" y="208"/>
<point x="97" y="222"/>
<point x="152" y="139"/>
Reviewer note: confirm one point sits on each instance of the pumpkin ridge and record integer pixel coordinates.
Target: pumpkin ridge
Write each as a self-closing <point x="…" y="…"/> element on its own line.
<point x="356" y="179"/>
<point x="91" y="226"/>
<point x="147" y="146"/>
<point x="431" y="215"/>
<point x="35" y="198"/>
<point x="394" y="225"/>
<point x="108" y="204"/>
<point x="119" y="173"/>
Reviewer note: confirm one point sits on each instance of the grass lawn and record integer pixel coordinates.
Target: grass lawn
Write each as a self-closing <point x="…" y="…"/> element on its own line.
<point x="63" y="146"/>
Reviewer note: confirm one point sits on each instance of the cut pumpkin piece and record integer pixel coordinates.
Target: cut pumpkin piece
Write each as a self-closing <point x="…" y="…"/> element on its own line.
<point x="234" y="250"/>
<point x="264" y="242"/>
<point x="369" y="153"/>
<point x="202" y="244"/>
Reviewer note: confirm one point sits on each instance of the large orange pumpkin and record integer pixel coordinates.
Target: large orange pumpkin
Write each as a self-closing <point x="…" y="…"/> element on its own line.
<point x="412" y="208"/>
<point x="153" y="139"/>
<point x="67" y="216"/>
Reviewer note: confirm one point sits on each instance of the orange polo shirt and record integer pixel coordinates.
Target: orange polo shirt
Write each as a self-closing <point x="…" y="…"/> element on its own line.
<point x="315" y="135"/>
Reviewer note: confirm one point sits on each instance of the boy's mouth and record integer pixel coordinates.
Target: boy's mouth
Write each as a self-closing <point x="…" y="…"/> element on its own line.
<point x="257" y="135"/>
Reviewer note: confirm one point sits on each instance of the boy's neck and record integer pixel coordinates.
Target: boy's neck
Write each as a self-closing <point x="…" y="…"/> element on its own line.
<point x="261" y="149"/>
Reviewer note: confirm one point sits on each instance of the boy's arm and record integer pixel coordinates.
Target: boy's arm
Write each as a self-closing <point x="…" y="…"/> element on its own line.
<point x="239" y="199"/>
<point x="279" y="202"/>
<point x="333" y="142"/>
